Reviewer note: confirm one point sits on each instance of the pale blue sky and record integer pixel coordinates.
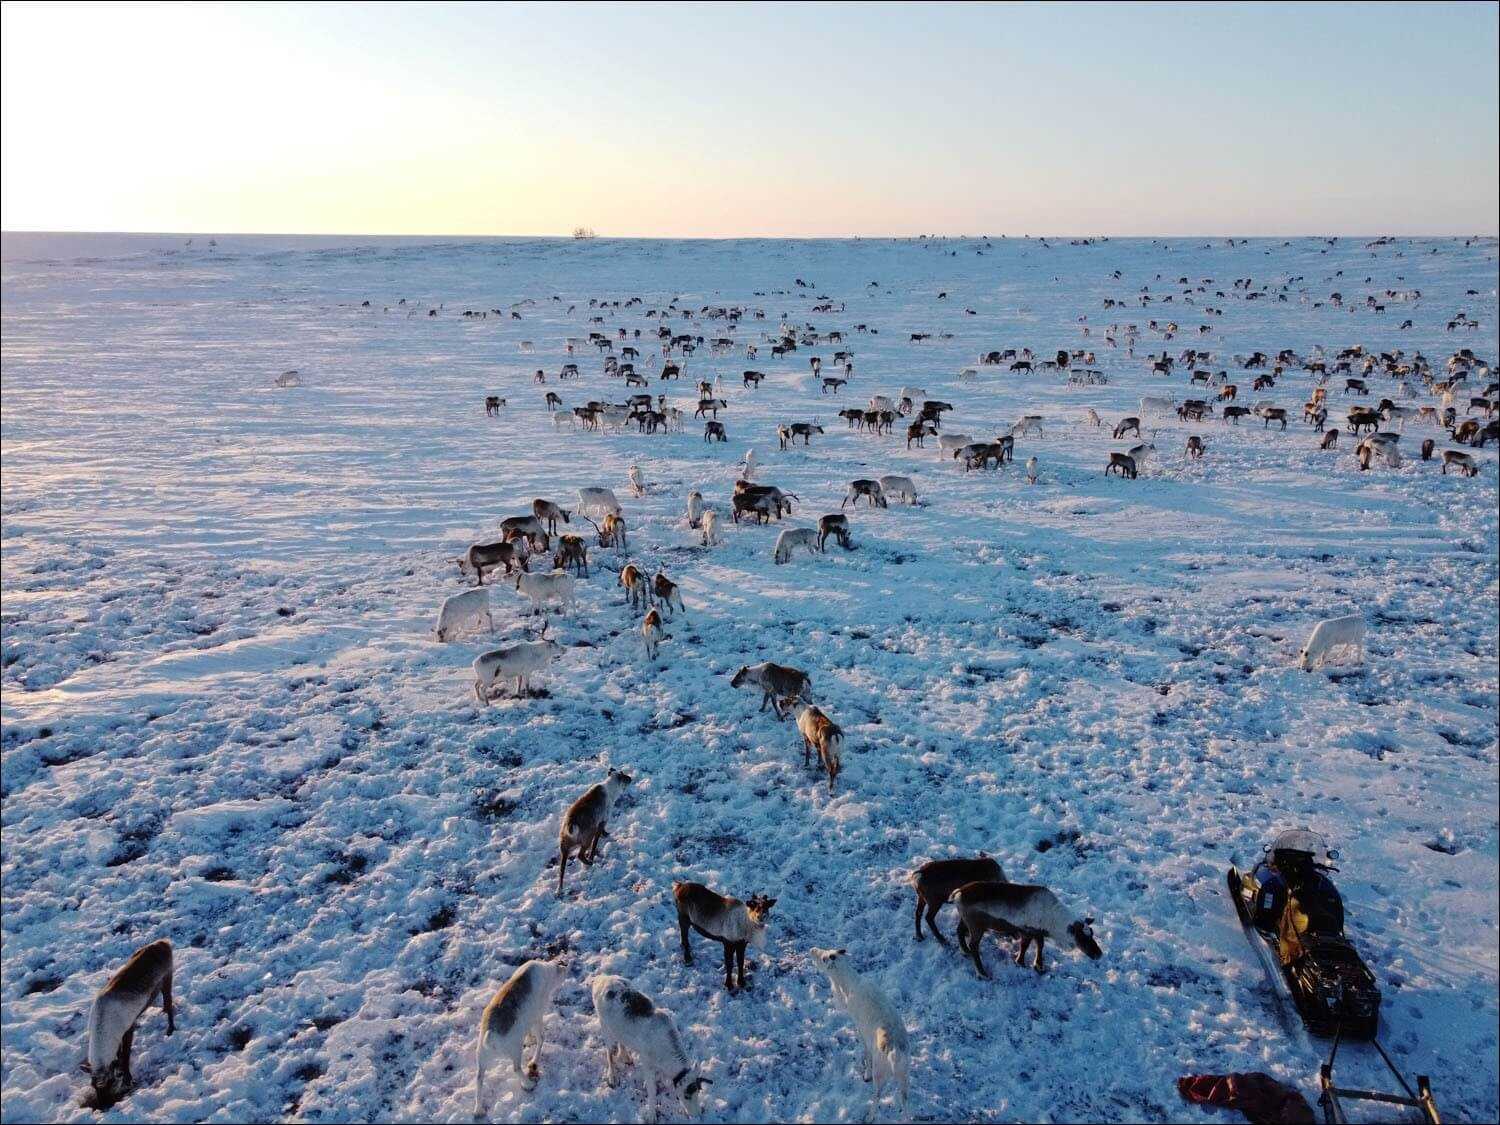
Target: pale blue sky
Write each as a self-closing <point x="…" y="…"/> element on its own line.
<point x="752" y="120"/>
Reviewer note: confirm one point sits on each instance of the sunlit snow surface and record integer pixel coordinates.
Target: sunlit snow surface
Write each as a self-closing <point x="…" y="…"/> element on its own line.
<point x="225" y="722"/>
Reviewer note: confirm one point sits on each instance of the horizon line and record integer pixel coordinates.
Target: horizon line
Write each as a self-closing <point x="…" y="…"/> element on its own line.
<point x="570" y="237"/>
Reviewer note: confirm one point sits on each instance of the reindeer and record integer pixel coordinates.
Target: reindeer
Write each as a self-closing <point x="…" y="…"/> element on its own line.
<point x="587" y="821"/>
<point x="636" y="590"/>
<point x="572" y="552"/>
<point x="728" y="921"/>
<point x="780" y="685"/>
<point x="667" y="594"/>
<point x="936" y="880"/>
<point x="866" y="488"/>
<point x="836" y="526"/>
<point x="822" y="734"/>
<point x="117" y="1009"/>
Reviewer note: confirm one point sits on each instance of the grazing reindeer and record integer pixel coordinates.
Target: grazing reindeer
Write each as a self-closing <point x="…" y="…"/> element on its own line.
<point x="511" y="1021"/>
<point x="1121" y="463"/>
<point x="781" y="686"/>
<point x="630" y="1021"/>
<point x="652" y="633"/>
<point x="117" y="1009"/>
<point x="1333" y="633"/>
<point x="667" y="594"/>
<point x="1022" y="910"/>
<point x="791" y="538"/>
<point x="1127" y="425"/>
<point x="694" y="508"/>
<point x="836" y="526"/>
<point x="550" y="512"/>
<point x="1091" y="416"/>
<point x="936" y="880"/>
<point x="1461" y="462"/>
<point x="1195" y="447"/>
<point x="822" y="734"/>
<point x="1330" y="440"/>
<point x="732" y="923"/>
<point x="573" y="552"/>
<point x="714" y="431"/>
<point x="882" y="1032"/>
<point x="587" y="821"/>
<point x="528" y="527"/>
<point x="636" y="590"/>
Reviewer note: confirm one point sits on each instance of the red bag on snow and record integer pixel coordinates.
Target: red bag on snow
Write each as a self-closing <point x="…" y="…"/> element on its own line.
<point x="1262" y="1099"/>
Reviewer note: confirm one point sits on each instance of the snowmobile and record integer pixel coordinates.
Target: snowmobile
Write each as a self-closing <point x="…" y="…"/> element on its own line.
<point x="1294" y="920"/>
<point x="1329" y="984"/>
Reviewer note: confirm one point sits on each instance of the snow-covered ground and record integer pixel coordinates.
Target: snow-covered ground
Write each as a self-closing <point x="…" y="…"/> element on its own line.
<point x="225" y="722"/>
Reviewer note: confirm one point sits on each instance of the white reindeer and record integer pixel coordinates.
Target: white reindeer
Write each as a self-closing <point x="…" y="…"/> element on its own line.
<point x="631" y="1022"/>
<point x="881" y="1030"/>
<point x="512" y="1020"/>
<point x="1333" y="633"/>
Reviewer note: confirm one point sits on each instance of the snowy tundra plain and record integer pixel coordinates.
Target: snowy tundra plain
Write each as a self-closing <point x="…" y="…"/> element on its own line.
<point x="225" y="721"/>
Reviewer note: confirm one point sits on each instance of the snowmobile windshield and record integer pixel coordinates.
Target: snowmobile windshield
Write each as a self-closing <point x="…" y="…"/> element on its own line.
<point x="1302" y="840"/>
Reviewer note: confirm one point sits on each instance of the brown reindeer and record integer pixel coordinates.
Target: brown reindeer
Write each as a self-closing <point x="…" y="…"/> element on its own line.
<point x="728" y="921"/>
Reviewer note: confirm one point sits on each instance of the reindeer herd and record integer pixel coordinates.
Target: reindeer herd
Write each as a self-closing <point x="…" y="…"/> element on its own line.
<point x="630" y="1022"/>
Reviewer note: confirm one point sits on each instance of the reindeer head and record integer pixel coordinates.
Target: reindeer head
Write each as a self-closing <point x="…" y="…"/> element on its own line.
<point x="1083" y="937"/>
<point x="759" y="907"/>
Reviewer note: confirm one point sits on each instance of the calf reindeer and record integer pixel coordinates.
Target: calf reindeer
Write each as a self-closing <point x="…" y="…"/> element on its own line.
<point x="667" y="594"/>
<point x="711" y="528"/>
<point x="1022" y="910"/>
<point x="117" y="1009"/>
<point x="587" y="821"/>
<point x="836" y="525"/>
<point x="636" y="591"/>
<point x="936" y="880"/>
<point x="728" y="921"/>
<point x="511" y="1021"/>
<point x="652" y="633"/>
<point x="822" y="734"/>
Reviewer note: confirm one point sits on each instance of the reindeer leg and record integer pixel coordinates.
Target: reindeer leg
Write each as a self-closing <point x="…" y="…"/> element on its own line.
<point x="479" y="1061"/>
<point x="1021" y="955"/>
<point x="917" y="918"/>
<point x="974" y="953"/>
<point x="123" y="1057"/>
<point x="687" y="949"/>
<point x="166" y="1003"/>
<point x="932" y="913"/>
<point x="1038" y="965"/>
<point x="739" y="958"/>
<point x="562" y="867"/>
<point x="962" y="934"/>
<point x="729" y="966"/>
